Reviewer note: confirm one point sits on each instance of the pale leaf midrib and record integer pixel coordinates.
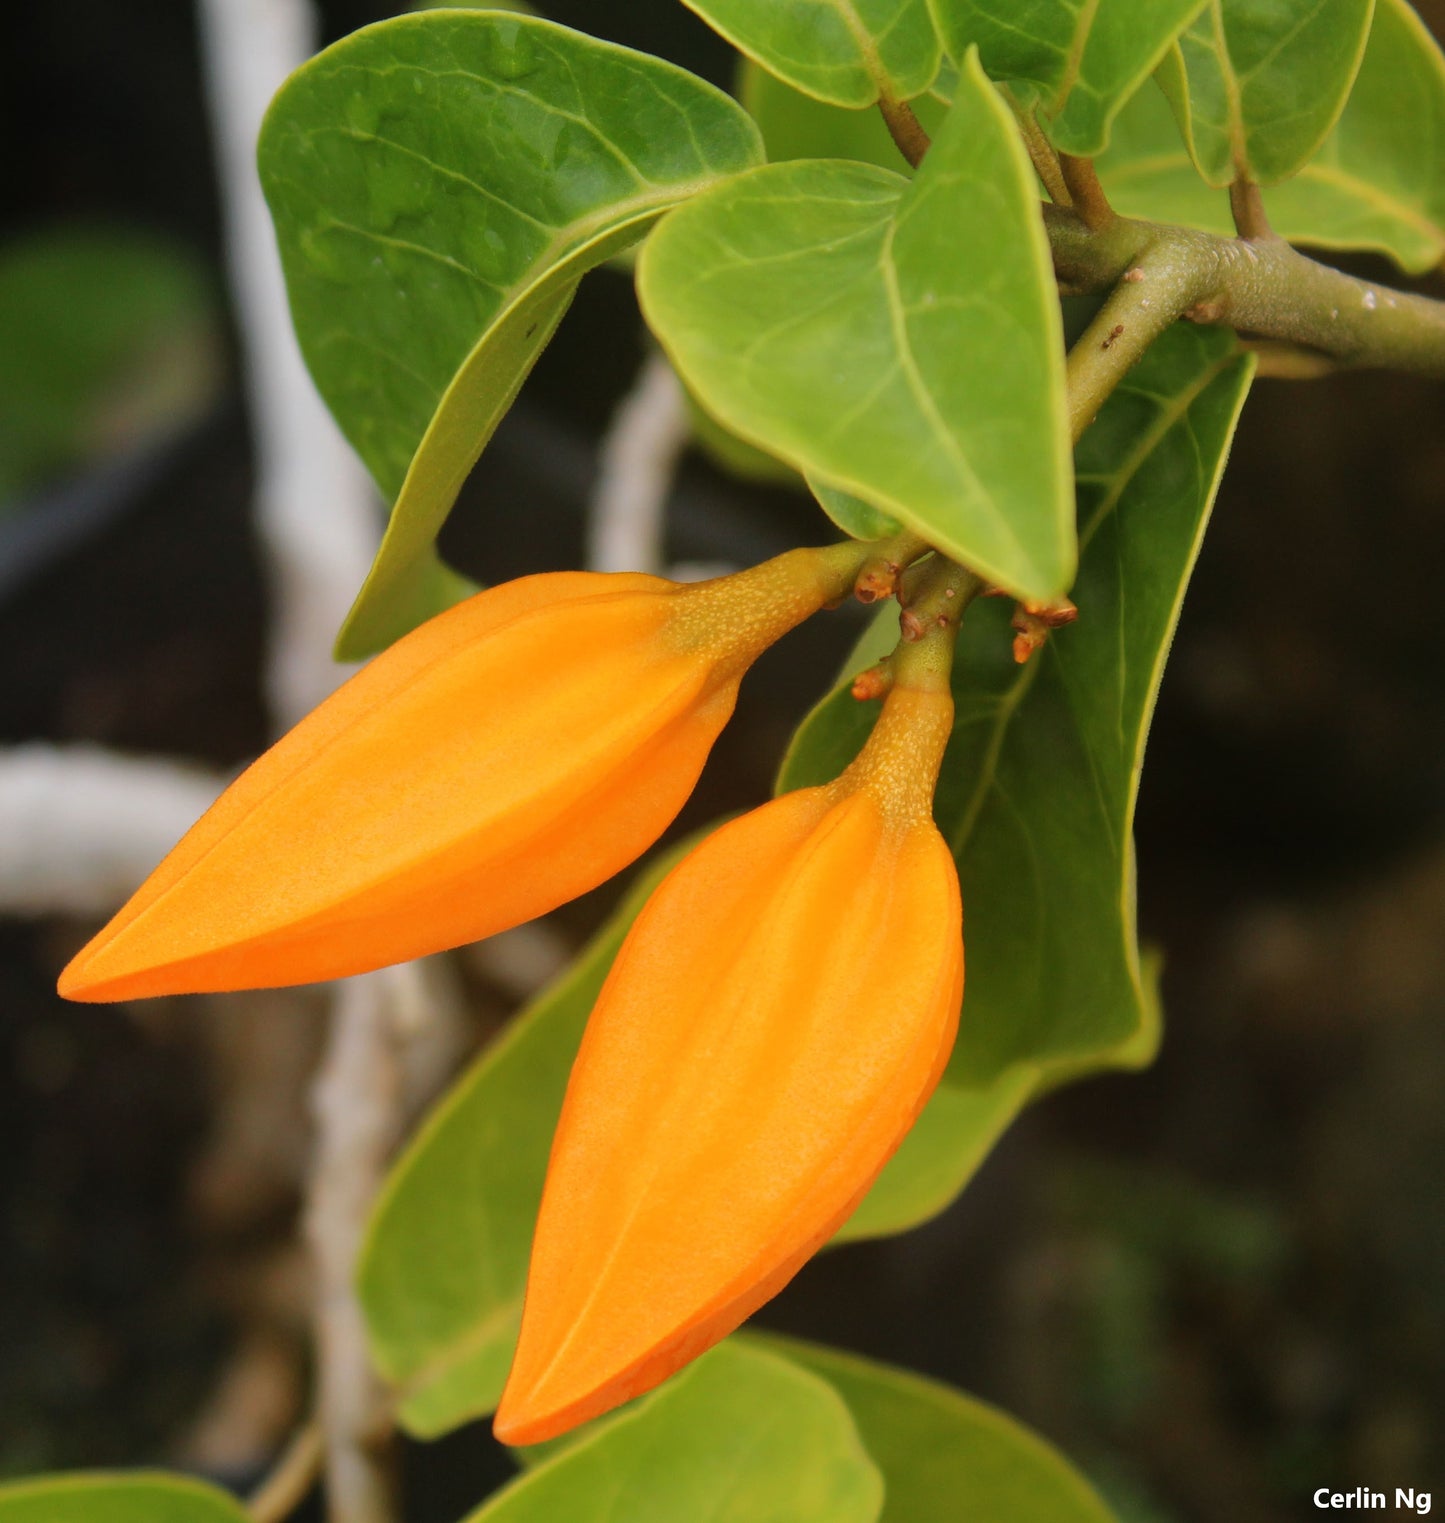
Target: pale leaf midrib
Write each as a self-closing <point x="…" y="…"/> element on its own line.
<point x="1074" y="57"/>
<point x="460" y="1350"/>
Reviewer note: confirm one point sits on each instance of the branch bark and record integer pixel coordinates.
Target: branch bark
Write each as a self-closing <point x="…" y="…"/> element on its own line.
<point x="1149" y="296"/>
<point x="1264" y="289"/>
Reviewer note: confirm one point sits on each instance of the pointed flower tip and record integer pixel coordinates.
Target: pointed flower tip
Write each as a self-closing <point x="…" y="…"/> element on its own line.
<point x="773" y="1025"/>
<point x="507" y="756"/>
<point x="79" y="983"/>
<point x="517" y="1432"/>
<point x="74" y="985"/>
<point x="533" y="1417"/>
<point x="514" y="1432"/>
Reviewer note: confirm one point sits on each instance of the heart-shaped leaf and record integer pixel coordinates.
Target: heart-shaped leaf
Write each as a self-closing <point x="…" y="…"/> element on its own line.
<point x="1073" y="62"/>
<point x="899" y="341"/>
<point x="137" y="1497"/>
<point x="1038" y="787"/>
<point x="1377" y="182"/>
<point x="936" y="1447"/>
<point x="743" y="1435"/>
<point x="956" y="1132"/>
<point x="1257" y="84"/>
<point x="852" y="515"/>
<point x="798" y="126"/>
<point x="849" y="52"/>
<point x="439" y="184"/>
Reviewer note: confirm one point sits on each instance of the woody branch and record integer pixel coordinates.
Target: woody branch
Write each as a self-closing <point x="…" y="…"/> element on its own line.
<point x="1258" y="286"/>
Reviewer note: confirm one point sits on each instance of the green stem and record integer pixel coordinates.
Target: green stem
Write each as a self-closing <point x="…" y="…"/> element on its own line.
<point x="1263" y="288"/>
<point x="284" y="1490"/>
<point x="929" y="624"/>
<point x="842" y="564"/>
<point x="1086" y="194"/>
<point x="1040" y="150"/>
<point x="1149" y="296"/>
<point x="905" y="129"/>
<point x="879" y="574"/>
<point x="1246" y="206"/>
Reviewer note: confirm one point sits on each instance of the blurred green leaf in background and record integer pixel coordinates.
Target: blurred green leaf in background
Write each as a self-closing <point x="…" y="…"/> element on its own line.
<point x="109" y="340"/>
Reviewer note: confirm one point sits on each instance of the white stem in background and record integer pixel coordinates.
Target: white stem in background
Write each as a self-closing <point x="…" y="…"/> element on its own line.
<point x="635" y="468"/>
<point x="80" y="828"/>
<point x="317" y="521"/>
<point x="315" y="508"/>
<point x="357" y="1107"/>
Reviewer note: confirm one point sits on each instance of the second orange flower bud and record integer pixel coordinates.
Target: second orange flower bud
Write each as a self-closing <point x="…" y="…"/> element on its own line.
<point x="507" y="756"/>
<point x="775" y="1020"/>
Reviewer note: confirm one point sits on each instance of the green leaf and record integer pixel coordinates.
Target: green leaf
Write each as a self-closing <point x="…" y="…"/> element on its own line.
<point x="439" y="184"/>
<point x="1377" y="182"/>
<point x="108" y="338"/>
<point x="737" y="456"/>
<point x="956" y="1132"/>
<point x="1257" y="84"/>
<point x="444" y="1263"/>
<point x="742" y="1435"/>
<point x="849" y="52"/>
<point x="945" y="1455"/>
<point x="852" y="515"/>
<point x="134" y="1497"/>
<point x="797" y="126"/>
<point x="1039" y="783"/>
<point x="899" y="341"/>
<point x="1074" y="62"/>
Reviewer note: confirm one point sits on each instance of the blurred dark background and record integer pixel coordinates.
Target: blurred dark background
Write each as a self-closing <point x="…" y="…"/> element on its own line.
<point x="1218" y="1285"/>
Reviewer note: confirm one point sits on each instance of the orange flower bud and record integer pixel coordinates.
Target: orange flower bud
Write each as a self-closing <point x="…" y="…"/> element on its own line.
<point x="507" y="756"/>
<point x="773" y="1024"/>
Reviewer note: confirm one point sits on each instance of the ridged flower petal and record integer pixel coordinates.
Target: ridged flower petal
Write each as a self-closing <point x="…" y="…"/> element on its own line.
<point x="772" y="1027"/>
<point x="507" y="756"/>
